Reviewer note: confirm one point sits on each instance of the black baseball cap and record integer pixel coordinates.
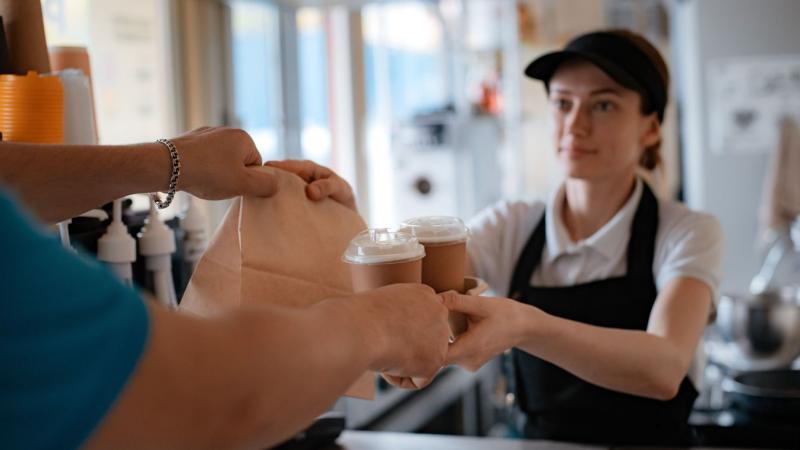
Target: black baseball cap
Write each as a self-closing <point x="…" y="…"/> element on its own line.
<point x="625" y="56"/>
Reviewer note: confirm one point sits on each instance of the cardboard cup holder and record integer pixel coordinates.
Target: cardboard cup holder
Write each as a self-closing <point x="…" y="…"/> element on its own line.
<point x="458" y="321"/>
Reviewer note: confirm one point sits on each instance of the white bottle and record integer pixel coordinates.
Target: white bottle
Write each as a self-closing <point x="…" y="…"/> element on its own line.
<point x="195" y="240"/>
<point x="117" y="248"/>
<point x="157" y="244"/>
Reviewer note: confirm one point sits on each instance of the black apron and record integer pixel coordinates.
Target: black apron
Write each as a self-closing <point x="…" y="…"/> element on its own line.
<point x="561" y="406"/>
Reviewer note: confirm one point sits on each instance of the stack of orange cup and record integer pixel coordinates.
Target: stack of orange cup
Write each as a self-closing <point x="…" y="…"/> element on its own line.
<point x="32" y="108"/>
<point x="66" y="57"/>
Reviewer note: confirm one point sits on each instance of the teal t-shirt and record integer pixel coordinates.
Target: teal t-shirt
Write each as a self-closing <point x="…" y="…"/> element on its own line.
<point x="71" y="334"/>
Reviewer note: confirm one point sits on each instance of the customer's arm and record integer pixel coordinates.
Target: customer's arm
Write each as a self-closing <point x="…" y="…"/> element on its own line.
<point x="60" y="181"/>
<point x="89" y="363"/>
<point x="255" y="377"/>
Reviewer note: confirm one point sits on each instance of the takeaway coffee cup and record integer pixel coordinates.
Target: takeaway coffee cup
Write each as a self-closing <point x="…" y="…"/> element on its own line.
<point x="379" y="257"/>
<point x="445" y="241"/>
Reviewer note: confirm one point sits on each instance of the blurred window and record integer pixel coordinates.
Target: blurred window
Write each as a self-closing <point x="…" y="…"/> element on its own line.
<point x="405" y="56"/>
<point x="313" y="42"/>
<point x="256" y="78"/>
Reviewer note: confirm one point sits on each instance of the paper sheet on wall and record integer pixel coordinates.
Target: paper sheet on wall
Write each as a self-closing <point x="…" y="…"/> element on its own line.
<point x="748" y="97"/>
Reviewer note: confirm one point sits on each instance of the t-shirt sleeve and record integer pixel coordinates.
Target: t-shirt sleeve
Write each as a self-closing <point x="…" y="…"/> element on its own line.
<point x="497" y="235"/>
<point x="484" y="245"/>
<point x="71" y="334"/>
<point x="694" y="249"/>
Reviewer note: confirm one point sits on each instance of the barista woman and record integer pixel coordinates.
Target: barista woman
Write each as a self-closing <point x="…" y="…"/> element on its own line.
<point x="609" y="287"/>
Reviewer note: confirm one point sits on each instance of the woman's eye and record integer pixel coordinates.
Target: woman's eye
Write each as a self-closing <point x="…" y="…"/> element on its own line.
<point x="561" y="104"/>
<point x="604" y="106"/>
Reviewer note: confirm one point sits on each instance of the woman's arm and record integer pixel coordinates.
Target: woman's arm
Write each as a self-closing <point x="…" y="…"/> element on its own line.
<point x="57" y="182"/>
<point x="649" y="363"/>
<point x="256" y="376"/>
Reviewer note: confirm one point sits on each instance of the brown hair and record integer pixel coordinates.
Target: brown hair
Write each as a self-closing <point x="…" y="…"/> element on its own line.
<point x="651" y="157"/>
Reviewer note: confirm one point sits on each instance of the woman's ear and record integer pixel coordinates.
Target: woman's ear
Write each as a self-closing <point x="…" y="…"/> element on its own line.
<point x="651" y="131"/>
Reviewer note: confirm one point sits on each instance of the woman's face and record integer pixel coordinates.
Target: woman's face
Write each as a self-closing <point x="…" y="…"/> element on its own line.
<point x="599" y="130"/>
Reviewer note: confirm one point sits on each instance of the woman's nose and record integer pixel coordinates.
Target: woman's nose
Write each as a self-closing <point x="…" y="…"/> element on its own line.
<point x="578" y="122"/>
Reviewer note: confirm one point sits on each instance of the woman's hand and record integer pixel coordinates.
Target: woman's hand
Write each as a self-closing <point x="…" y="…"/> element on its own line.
<point x="219" y="163"/>
<point x="322" y="181"/>
<point x="494" y="325"/>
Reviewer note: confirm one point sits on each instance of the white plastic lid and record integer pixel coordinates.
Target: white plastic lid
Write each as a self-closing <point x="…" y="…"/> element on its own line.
<point x="380" y="245"/>
<point x="436" y="229"/>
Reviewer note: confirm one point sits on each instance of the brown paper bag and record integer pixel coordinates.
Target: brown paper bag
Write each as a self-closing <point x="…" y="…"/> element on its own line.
<point x="283" y="250"/>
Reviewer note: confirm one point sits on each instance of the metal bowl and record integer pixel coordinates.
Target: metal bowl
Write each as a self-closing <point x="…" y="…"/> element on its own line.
<point x="763" y="329"/>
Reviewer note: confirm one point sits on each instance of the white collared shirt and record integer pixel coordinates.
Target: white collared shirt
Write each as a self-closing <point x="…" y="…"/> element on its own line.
<point x="688" y="244"/>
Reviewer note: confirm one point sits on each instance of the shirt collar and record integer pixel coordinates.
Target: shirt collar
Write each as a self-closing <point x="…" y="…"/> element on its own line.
<point x="606" y="241"/>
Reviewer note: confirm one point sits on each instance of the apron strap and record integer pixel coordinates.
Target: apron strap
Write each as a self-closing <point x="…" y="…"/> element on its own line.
<point x="527" y="262"/>
<point x="642" y="242"/>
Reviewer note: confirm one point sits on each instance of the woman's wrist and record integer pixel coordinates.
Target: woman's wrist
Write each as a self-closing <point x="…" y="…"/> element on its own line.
<point x="530" y="323"/>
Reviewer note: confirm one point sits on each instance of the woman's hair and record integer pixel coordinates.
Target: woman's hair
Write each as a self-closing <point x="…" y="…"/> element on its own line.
<point x="651" y="158"/>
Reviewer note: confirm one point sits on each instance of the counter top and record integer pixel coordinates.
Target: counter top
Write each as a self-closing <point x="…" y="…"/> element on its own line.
<point x="366" y="440"/>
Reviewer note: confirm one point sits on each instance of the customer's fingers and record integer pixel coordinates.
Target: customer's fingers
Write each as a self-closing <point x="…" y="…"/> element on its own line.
<point x="307" y="170"/>
<point x="259" y="182"/>
<point x="252" y="158"/>
<point x="407" y="382"/>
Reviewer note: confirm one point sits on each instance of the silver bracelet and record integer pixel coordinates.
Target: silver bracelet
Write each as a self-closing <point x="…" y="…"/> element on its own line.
<point x="173" y="178"/>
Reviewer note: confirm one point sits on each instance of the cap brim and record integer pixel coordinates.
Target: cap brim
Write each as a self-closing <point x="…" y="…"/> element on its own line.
<point x="543" y="67"/>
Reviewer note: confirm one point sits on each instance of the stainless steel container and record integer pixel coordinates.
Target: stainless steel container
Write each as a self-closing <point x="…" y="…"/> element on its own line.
<point x="763" y="330"/>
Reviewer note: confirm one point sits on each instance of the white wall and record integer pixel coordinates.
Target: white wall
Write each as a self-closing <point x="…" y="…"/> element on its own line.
<point x="726" y="185"/>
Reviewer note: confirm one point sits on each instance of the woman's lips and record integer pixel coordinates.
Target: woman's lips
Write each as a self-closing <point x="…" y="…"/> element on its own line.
<point x="577" y="152"/>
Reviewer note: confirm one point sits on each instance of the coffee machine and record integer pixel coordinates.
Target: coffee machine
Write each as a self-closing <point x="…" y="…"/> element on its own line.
<point x="445" y="164"/>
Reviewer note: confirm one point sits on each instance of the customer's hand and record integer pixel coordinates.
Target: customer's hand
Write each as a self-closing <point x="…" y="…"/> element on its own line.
<point x="407" y="329"/>
<point x="322" y="181"/>
<point x="220" y="162"/>
<point x="494" y="325"/>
